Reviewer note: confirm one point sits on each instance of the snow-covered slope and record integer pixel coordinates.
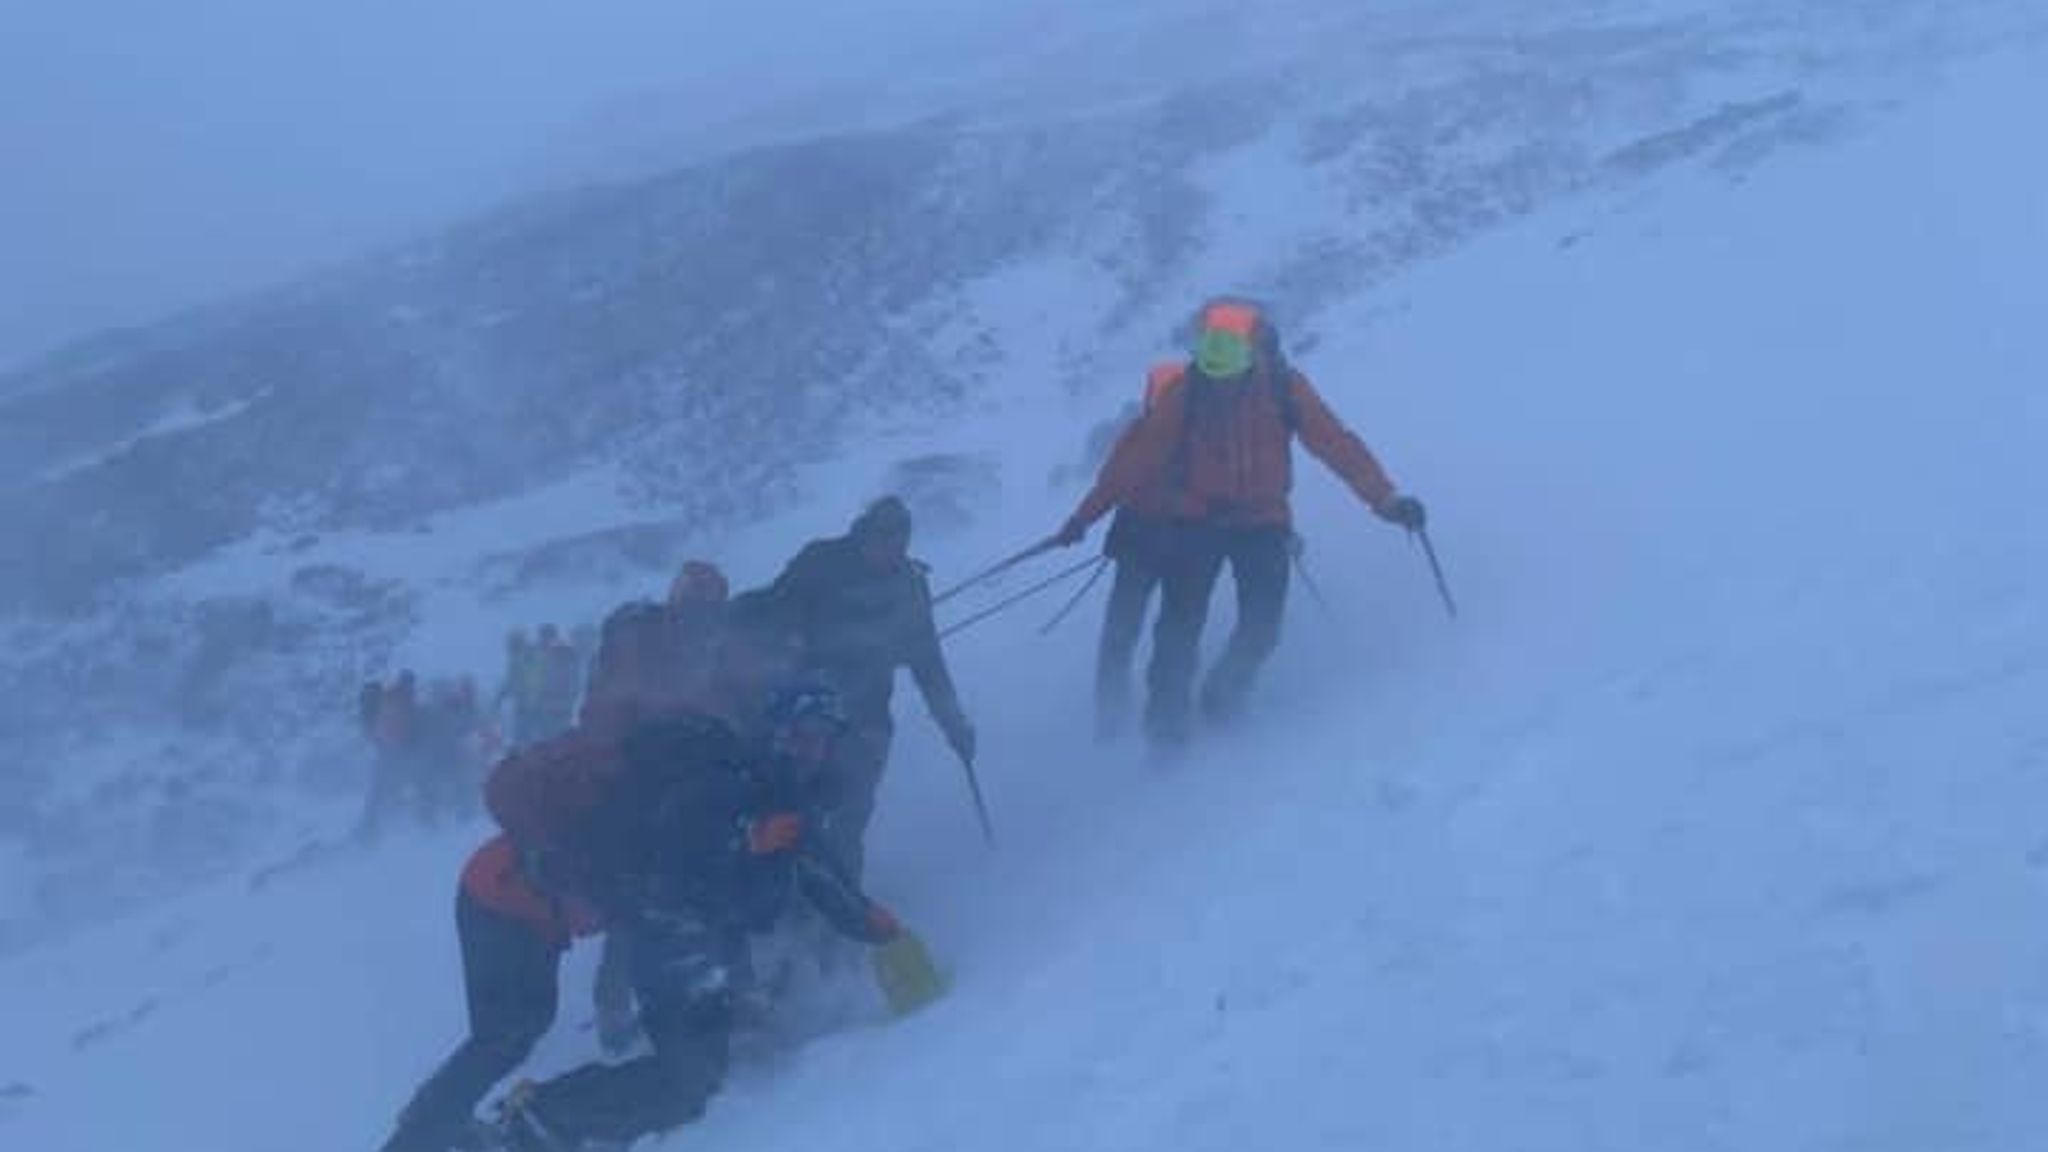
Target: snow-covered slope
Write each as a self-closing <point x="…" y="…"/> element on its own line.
<point x="239" y="515"/>
<point x="1713" y="824"/>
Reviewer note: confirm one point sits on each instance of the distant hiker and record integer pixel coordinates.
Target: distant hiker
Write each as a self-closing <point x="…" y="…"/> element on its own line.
<point x="391" y="716"/>
<point x="1214" y="450"/>
<point x="557" y="685"/>
<point x="656" y="657"/>
<point x="864" y="609"/>
<point x="679" y="837"/>
<point x="515" y="685"/>
<point x="543" y="682"/>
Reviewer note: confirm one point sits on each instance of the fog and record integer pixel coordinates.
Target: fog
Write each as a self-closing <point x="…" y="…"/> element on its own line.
<point x="163" y="154"/>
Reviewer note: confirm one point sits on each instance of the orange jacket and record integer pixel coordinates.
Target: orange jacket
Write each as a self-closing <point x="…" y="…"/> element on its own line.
<point x="1224" y="452"/>
<point x="494" y="878"/>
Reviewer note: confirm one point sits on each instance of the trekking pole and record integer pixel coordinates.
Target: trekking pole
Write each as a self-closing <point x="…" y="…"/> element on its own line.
<point x="988" y="830"/>
<point x="994" y="570"/>
<point x="1443" y="589"/>
<point x="1315" y="591"/>
<point x="1074" y="601"/>
<point x="1012" y="601"/>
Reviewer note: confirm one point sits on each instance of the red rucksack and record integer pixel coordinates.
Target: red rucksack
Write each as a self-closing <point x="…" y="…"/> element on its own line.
<point x="545" y="794"/>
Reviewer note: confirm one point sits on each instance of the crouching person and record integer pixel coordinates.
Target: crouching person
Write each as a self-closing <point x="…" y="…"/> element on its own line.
<point x="681" y="839"/>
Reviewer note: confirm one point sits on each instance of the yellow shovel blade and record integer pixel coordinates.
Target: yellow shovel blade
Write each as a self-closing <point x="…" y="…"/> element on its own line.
<point x="908" y="978"/>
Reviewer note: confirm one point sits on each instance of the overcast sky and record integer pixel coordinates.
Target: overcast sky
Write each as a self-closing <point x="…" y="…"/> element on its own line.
<point x="160" y="152"/>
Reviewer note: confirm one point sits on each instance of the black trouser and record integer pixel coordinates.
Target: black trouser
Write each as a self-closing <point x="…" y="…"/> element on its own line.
<point x="1134" y="546"/>
<point x="1259" y="564"/>
<point x="685" y="971"/>
<point x="509" y="974"/>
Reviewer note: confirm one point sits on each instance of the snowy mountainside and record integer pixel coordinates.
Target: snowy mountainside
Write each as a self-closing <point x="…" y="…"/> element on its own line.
<point x="241" y="514"/>
<point x="1713" y="825"/>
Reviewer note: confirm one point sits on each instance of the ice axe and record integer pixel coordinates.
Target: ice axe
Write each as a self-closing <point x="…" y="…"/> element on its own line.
<point x="1443" y="589"/>
<point x="1297" y="549"/>
<point x="1101" y="565"/>
<point x="988" y="830"/>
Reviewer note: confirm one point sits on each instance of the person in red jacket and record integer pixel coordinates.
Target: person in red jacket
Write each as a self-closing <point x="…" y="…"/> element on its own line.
<point x="1212" y="455"/>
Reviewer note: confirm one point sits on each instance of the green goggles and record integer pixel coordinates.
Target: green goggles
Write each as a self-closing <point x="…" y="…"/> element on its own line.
<point x="1222" y="354"/>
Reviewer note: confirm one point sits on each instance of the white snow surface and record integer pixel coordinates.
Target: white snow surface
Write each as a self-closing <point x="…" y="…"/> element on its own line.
<point x="1714" y="823"/>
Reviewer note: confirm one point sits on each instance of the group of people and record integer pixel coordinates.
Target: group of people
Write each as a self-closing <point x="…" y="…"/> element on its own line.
<point x="543" y="681"/>
<point x="429" y="749"/>
<point x="431" y="746"/>
<point x="1201" y="478"/>
<point x="729" y="747"/>
<point x="725" y="759"/>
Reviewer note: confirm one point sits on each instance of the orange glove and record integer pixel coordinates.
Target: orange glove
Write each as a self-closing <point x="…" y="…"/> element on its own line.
<point x="882" y="924"/>
<point x="775" y="832"/>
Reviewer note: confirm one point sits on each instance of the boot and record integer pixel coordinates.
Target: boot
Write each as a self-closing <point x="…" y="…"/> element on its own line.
<point x="520" y="1128"/>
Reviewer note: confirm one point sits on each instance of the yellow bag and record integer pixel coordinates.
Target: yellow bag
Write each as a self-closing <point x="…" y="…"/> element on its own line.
<point x="906" y="974"/>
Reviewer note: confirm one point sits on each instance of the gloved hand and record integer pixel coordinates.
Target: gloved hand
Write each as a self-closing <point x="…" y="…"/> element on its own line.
<point x="882" y="924"/>
<point x="1406" y="511"/>
<point x="1070" y="533"/>
<point x="959" y="734"/>
<point x="775" y="832"/>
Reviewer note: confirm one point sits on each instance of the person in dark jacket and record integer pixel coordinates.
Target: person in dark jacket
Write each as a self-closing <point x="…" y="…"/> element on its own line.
<point x="675" y="834"/>
<point x="755" y="653"/>
<point x="864" y="609"/>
